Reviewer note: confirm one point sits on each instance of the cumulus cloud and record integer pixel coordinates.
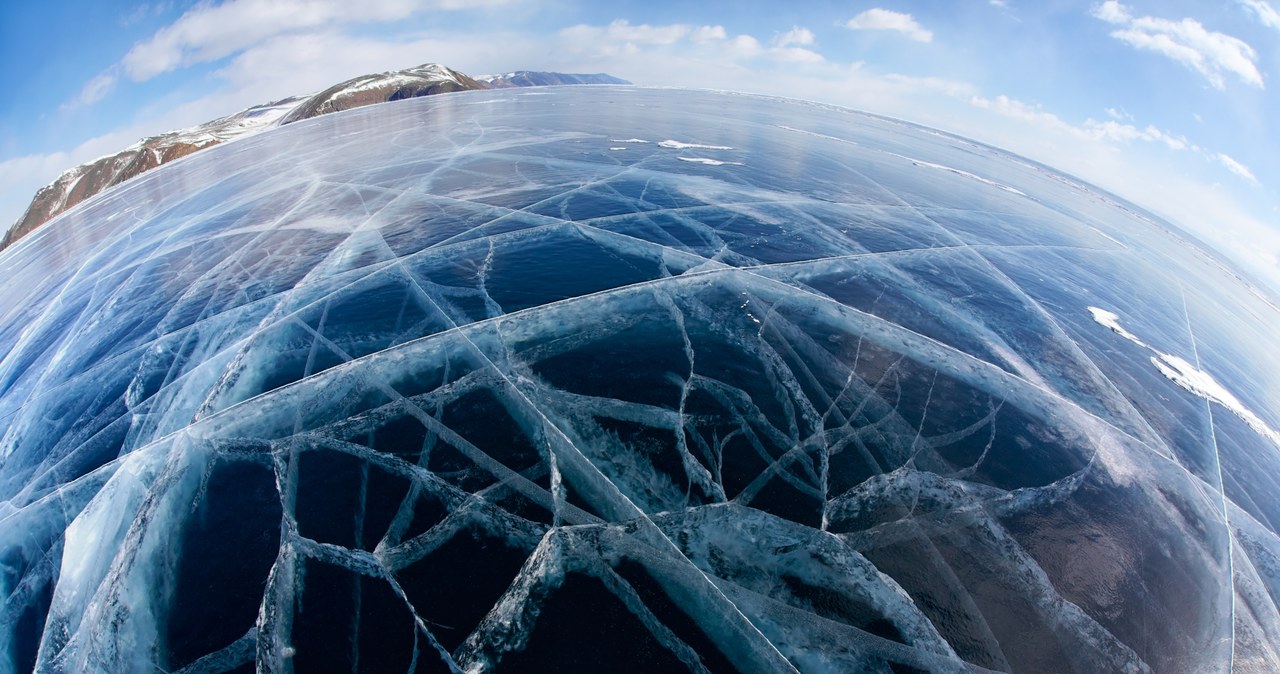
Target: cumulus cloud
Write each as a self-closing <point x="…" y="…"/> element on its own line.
<point x="887" y="19"/>
<point x="623" y="36"/>
<point x="1212" y="54"/>
<point x="1263" y="12"/>
<point x="742" y="46"/>
<point x="708" y="33"/>
<point x="623" y="31"/>
<point x="791" y="46"/>
<point x="710" y="43"/>
<point x="1112" y="11"/>
<point x="796" y="36"/>
<point x="795" y="55"/>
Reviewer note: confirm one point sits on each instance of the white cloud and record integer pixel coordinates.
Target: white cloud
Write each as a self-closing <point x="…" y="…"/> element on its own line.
<point x="1111" y="130"/>
<point x="307" y="62"/>
<point x="1186" y="41"/>
<point x="1106" y="136"/>
<point x="1264" y="12"/>
<point x="1112" y="11"/>
<point x="790" y="47"/>
<point x="1105" y="131"/>
<point x="209" y="32"/>
<point x="796" y="36"/>
<point x="621" y="36"/>
<point x="623" y="31"/>
<point x="887" y="19"/>
<point x="94" y="90"/>
<point x="1023" y="112"/>
<point x="743" y="46"/>
<point x="1236" y="167"/>
<point x="795" y="55"/>
<point x="708" y="33"/>
<point x="1120" y="115"/>
<point x="708" y="44"/>
<point x="142" y="11"/>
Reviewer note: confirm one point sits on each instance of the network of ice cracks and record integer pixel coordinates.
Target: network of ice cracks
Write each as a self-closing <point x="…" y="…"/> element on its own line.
<point x="505" y="381"/>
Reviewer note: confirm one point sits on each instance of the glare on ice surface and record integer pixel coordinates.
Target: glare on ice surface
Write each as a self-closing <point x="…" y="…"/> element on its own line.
<point x="436" y="386"/>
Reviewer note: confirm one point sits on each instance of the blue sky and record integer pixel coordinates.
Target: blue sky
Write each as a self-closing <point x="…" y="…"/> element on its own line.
<point x="1171" y="104"/>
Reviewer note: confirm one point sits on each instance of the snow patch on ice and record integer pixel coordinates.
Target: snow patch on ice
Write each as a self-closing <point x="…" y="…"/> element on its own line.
<point x="1203" y="384"/>
<point x="709" y="162"/>
<point x="677" y="145"/>
<point x="1189" y="377"/>
<point x="1111" y="320"/>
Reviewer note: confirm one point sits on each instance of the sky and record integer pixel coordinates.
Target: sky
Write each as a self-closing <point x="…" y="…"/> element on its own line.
<point x="1173" y="105"/>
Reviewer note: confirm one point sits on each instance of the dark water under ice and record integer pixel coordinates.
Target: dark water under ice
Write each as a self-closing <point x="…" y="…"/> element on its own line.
<point x="580" y="379"/>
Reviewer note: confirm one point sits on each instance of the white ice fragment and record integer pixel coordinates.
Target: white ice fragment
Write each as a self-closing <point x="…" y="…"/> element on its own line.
<point x="1111" y="321"/>
<point x="709" y="162"/>
<point x="1203" y="384"/>
<point x="627" y="140"/>
<point x="677" y="145"/>
<point x="1197" y="381"/>
<point x="617" y="148"/>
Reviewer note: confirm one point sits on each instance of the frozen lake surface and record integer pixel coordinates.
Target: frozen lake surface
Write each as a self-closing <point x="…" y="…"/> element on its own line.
<point x="682" y="380"/>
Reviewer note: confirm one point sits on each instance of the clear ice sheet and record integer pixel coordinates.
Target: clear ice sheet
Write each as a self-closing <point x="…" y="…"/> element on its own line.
<point x="435" y="386"/>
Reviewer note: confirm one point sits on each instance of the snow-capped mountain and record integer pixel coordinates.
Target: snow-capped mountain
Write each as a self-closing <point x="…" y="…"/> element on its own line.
<point x="529" y="78"/>
<point x="424" y="80"/>
<point x="86" y="180"/>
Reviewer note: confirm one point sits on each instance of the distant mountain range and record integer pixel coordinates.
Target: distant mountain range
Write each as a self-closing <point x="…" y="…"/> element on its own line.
<point x="527" y="78"/>
<point x="86" y="180"/>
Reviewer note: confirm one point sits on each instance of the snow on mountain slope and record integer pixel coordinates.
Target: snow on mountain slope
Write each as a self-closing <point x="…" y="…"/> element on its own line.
<point x="424" y="80"/>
